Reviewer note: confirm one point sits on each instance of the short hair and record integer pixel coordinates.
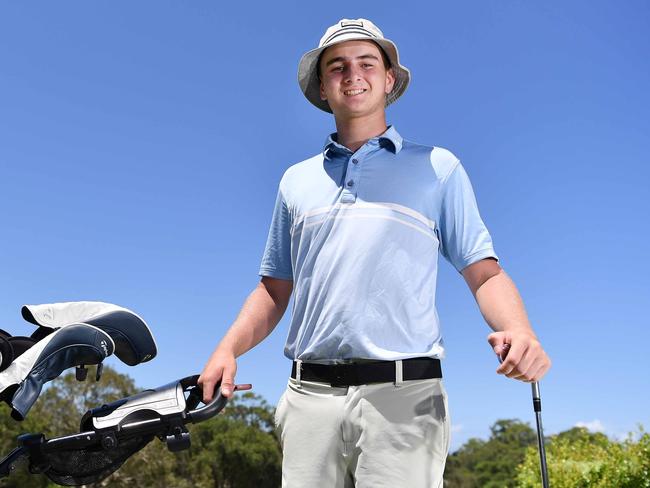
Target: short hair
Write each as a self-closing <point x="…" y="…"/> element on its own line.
<point x="384" y="57"/>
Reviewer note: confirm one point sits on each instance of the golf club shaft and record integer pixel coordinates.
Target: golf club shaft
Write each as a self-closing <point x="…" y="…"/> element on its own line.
<point x="537" y="406"/>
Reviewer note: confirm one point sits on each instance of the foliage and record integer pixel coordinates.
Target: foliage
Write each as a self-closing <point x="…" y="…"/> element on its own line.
<point x="578" y="458"/>
<point x="492" y="463"/>
<point x="60" y="407"/>
<point x="236" y="449"/>
<point x="239" y="448"/>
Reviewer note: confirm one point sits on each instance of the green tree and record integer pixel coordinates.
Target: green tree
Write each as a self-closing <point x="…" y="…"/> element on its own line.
<point x="578" y="458"/>
<point x="61" y="405"/>
<point x="492" y="463"/>
<point x="238" y="448"/>
<point x="58" y="412"/>
<point x="580" y="434"/>
<point x="9" y="431"/>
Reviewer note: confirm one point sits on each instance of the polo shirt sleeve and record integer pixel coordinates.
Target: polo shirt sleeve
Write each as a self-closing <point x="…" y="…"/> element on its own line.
<point x="464" y="239"/>
<point x="276" y="261"/>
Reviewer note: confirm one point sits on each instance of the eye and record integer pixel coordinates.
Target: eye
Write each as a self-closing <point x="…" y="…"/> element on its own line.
<point x="337" y="68"/>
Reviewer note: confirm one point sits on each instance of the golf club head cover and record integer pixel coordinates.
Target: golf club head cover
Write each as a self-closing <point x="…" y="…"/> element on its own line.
<point x="22" y="381"/>
<point x="134" y="342"/>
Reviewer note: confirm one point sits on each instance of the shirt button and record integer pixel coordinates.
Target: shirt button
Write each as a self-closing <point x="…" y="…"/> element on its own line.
<point x="350" y="183"/>
<point x="355" y="161"/>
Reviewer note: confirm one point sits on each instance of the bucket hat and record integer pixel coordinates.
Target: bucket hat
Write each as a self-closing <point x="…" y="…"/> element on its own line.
<point x="348" y="30"/>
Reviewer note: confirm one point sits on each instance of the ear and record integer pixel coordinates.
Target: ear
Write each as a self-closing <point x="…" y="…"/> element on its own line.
<point x="390" y="80"/>
<point x="323" y="96"/>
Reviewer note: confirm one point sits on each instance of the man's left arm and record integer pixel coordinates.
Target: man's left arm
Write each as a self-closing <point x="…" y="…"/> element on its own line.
<point x="503" y="310"/>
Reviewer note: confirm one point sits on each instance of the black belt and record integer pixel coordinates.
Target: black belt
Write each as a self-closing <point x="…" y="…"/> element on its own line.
<point x="348" y="374"/>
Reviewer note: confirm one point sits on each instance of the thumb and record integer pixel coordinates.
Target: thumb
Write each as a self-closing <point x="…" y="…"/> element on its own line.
<point x="499" y="343"/>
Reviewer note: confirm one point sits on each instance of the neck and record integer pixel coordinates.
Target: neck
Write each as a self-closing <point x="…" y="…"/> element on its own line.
<point x="355" y="132"/>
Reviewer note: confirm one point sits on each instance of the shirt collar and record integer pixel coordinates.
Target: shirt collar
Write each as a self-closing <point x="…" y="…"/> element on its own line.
<point x="390" y="139"/>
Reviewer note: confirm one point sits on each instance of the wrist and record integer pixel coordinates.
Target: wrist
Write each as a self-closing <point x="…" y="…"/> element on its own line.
<point x="518" y="331"/>
<point x="225" y="350"/>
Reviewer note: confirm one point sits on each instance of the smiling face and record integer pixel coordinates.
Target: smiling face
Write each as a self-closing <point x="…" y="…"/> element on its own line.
<point x="354" y="79"/>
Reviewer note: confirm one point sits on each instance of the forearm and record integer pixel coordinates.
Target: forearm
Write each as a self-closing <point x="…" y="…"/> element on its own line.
<point x="501" y="305"/>
<point x="258" y="317"/>
<point x="513" y="339"/>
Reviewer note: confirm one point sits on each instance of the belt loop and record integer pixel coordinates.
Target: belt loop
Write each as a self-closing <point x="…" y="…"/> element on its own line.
<point x="399" y="378"/>
<point x="298" y="368"/>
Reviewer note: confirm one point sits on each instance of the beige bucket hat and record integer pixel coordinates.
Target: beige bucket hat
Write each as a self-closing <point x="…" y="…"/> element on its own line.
<point x="347" y="30"/>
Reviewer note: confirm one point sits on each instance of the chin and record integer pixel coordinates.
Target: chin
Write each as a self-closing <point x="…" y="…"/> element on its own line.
<point x="356" y="109"/>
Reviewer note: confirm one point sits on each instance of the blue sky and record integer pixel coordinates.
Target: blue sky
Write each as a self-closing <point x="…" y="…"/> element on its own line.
<point x="141" y="144"/>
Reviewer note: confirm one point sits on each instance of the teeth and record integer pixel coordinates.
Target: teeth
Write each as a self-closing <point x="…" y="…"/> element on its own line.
<point x="354" y="92"/>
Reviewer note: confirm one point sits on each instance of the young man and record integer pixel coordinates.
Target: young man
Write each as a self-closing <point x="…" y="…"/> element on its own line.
<point x="356" y="234"/>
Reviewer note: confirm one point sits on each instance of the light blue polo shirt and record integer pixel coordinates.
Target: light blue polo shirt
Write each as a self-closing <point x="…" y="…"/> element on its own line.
<point x="359" y="234"/>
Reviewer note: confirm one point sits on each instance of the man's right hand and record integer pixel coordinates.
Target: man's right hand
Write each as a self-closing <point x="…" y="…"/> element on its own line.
<point x="222" y="365"/>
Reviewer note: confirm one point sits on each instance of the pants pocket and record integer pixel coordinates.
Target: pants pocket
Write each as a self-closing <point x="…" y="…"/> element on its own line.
<point x="279" y="411"/>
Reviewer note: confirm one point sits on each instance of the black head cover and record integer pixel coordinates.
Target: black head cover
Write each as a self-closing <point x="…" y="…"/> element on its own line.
<point x="22" y="381"/>
<point x="134" y="343"/>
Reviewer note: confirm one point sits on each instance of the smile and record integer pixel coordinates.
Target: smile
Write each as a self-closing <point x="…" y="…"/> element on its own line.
<point x="351" y="93"/>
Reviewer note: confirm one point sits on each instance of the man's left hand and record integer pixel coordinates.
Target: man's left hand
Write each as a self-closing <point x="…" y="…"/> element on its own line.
<point x="522" y="355"/>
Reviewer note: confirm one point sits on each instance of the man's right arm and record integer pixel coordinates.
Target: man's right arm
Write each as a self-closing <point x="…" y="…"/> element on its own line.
<point x="258" y="317"/>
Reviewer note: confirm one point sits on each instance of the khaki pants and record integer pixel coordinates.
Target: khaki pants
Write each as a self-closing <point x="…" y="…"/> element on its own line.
<point x="377" y="435"/>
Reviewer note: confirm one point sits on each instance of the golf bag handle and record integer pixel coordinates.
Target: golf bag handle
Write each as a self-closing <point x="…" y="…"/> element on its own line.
<point x="208" y="411"/>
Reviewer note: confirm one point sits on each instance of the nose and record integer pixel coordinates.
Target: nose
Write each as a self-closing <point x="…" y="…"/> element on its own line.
<point x="353" y="73"/>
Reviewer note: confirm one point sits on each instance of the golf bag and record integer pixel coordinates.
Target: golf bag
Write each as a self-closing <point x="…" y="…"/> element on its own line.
<point x="77" y="334"/>
<point x="110" y="434"/>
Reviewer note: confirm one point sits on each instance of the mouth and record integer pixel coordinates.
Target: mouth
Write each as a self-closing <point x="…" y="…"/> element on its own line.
<point x="354" y="93"/>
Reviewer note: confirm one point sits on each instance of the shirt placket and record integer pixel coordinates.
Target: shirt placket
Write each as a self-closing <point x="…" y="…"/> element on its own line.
<point x="353" y="175"/>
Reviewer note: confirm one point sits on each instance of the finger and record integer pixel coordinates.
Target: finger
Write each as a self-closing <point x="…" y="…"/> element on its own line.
<point x="246" y="386"/>
<point x="533" y="364"/>
<point x="207" y="382"/>
<point x="208" y="390"/>
<point x="497" y="341"/>
<point x="530" y="375"/>
<point x="228" y="382"/>
<point x="545" y="365"/>
<point x="537" y="373"/>
<point x="505" y="349"/>
<point x="522" y="369"/>
<point x="537" y="368"/>
<point x="510" y="362"/>
<point x="500" y="342"/>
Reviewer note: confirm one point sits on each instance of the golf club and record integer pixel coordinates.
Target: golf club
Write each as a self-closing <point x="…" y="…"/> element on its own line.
<point x="537" y="407"/>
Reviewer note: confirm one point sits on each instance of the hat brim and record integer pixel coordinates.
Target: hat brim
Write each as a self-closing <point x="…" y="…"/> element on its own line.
<point x="308" y="73"/>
